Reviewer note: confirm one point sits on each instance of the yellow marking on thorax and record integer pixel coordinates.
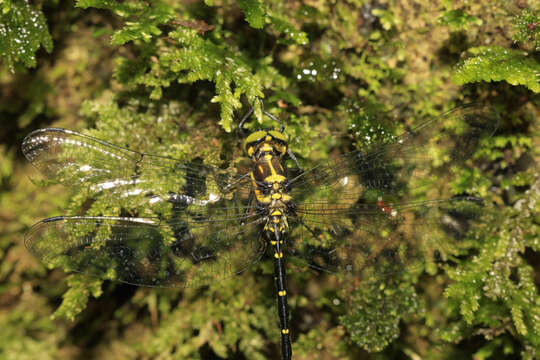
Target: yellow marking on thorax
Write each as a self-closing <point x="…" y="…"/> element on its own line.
<point x="258" y="194"/>
<point x="274" y="177"/>
<point x="281" y="149"/>
<point x="266" y="147"/>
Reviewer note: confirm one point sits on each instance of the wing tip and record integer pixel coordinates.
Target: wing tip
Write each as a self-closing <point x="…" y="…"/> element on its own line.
<point x="34" y="142"/>
<point x="29" y="236"/>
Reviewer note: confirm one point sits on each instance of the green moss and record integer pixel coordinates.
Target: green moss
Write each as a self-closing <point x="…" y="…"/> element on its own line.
<point x="254" y="11"/>
<point x="75" y="299"/>
<point x="173" y="78"/>
<point x="376" y="309"/>
<point x="23" y="30"/>
<point x="527" y="28"/>
<point x="458" y="19"/>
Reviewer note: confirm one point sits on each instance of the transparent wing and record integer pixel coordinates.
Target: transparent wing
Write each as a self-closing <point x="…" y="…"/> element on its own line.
<point x="405" y="163"/>
<point x="370" y="240"/>
<point x="147" y="251"/>
<point x="96" y="166"/>
<point x="365" y="207"/>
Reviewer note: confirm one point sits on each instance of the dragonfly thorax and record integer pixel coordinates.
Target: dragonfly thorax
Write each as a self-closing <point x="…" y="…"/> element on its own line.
<point x="269" y="180"/>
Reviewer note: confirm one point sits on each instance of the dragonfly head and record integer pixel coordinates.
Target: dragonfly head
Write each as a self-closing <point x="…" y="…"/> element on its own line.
<point x="266" y="141"/>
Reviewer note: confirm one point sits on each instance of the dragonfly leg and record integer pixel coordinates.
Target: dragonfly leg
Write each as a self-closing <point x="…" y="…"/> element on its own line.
<point x="252" y="109"/>
<point x="291" y="155"/>
<point x="230" y="186"/>
<point x="283" y="306"/>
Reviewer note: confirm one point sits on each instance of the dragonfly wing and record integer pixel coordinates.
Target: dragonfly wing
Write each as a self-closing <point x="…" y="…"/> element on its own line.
<point x="98" y="167"/>
<point x="363" y="206"/>
<point x="365" y="238"/>
<point x="405" y="164"/>
<point x="147" y="251"/>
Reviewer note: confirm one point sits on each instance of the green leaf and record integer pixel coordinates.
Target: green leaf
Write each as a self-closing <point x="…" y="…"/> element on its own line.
<point x="517" y="317"/>
<point x="100" y="4"/>
<point x="458" y="19"/>
<point x="134" y="31"/>
<point x="490" y="349"/>
<point x="495" y="63"/>
<point x="23" y="30"/>
<point x="254" y="11"/>
<point x="291" y="34"/>
<point x="385" y="17"/>
<point x="75" y="299"/>
<point x="142" y="18"/>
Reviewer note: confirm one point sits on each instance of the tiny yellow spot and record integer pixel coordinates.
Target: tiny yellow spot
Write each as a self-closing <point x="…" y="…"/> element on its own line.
<point x="276" y="213"/>
<point x="286" y="198"/>
<point x="285" y="331"/>
<point x="273" y="242"/>
<point x="275" y="185"/>
<point x="264" y="200"/>
<point x="268" y="138"/>
<point x="282" y="293"/>
<point x="275" y="221"/>
<point x="276" y="196"/>
<point x="277" y="256"/>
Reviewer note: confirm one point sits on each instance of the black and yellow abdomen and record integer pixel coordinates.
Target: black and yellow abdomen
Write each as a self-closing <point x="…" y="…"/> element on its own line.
<point x="266" y="149"/>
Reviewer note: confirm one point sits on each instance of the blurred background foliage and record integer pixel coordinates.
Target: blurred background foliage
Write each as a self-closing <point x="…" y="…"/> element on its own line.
<point x="172" y="77"/>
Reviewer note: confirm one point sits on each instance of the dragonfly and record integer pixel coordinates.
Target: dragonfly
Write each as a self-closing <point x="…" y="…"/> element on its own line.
<point x="173" y="223"/>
